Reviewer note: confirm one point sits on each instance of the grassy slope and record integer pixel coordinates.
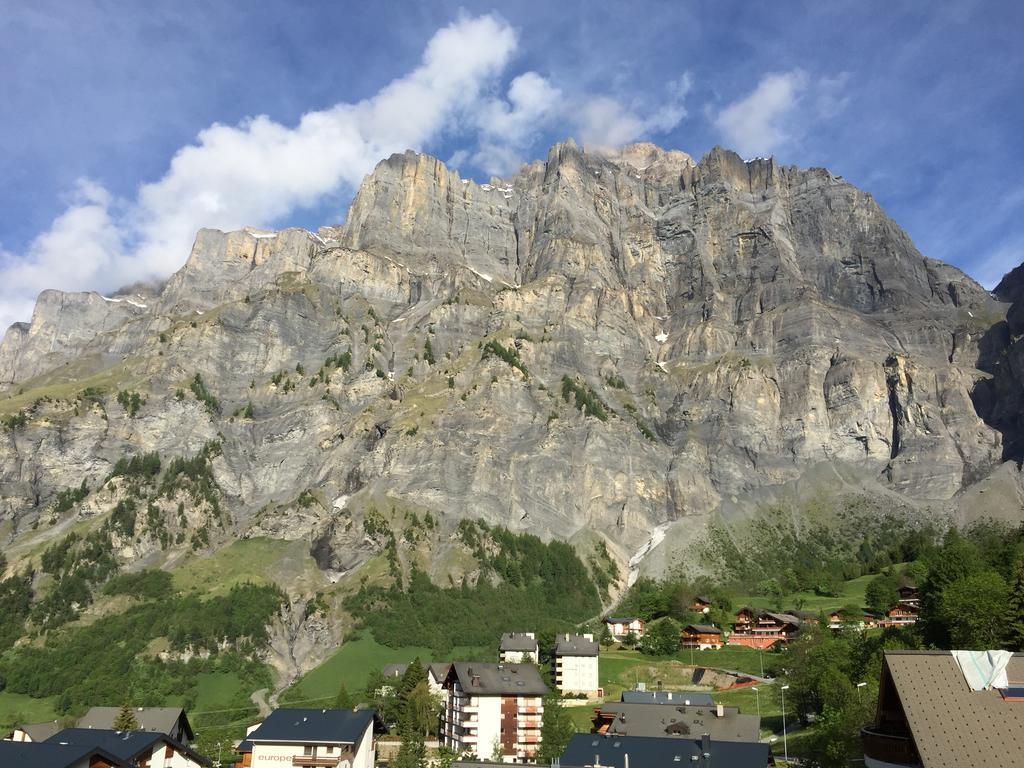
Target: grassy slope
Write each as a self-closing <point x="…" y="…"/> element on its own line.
<point x="260" y="561"/>
<point x="851" y="593"/>
<point x="19" y="708"/>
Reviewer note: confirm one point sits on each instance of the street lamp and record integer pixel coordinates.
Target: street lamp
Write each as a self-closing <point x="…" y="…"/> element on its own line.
<point x="785" y="742"/>
<point x="757" y="697"/>
<point x="859" y="686"/>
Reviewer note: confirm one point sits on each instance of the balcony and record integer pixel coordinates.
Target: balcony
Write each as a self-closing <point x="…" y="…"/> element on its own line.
<point x="318" y="761"/>
<point x="884" y="747"/>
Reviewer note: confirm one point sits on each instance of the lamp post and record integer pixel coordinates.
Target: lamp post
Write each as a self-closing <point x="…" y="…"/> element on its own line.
<point x="760" y="655"/>
<point x="859" y="686"/>
<point x="785" y="743"/>
<point x="757" y="697"/>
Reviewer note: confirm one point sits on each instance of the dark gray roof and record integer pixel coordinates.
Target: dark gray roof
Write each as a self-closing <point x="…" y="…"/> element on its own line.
<point x="308" y="726"/>
<point x="440" y="669"/>
<point x="660" y="753"/>
<point x="706" y="629"/>
<point x="517" y="641"/>
<point x="394" y="670"/>
<point x="622" y="619"/>
<point x="498" y="679"/>
<point x="668" y="697"/>
<point x="30" y="754"/>
<point x="125" y="745"/>
<point x="156" y="719"/>
<point x="681" y="721"/>
<point x="575" y="645"/>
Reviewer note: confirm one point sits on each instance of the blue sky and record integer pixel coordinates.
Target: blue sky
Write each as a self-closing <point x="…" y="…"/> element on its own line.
<point x="127" y="125"/>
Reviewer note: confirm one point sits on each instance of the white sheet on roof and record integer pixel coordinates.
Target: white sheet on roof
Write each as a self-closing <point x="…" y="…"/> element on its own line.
<point x="983" y="669"/>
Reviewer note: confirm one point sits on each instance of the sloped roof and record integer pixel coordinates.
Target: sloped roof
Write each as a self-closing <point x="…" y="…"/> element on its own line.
<point x="394" y="670"/>
<point x="156" y="719"/>
<point x="517" y="641"/>
<point x="30" y="754"/>
<point x="622" y="619"/>
<point x="952" y="725"/>
<point x="575" y="645"/>
<point x="668" y="697"/>
<point x="498" y="679"/>
<point x="680" y="722"/>
<point x="646" y="752"/>
<point x="704" y="629"/>
<point x="40" y="731"/>
<point x="125" y="745"/>
<point x="308" y="726"/>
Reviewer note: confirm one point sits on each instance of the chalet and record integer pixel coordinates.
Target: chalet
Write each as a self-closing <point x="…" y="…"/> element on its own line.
<point x="620" y="627"/>
<point x="674" y="698"/>
<point x="170" y="721"/>
<point x="929" y="716"/>
<point x="574" y="665"/>
<point x="493" y="705"/>
<point x="701" y="637"/>
<point x="133" y="747"/>
<point x="900" y="615"/>
<point x="34" y="754"/>
<point x="315" y="738"/>
<point x="700" y="604"/>
<point x="806" y="617"/>
<point x="909" y="595"/>
<point x="518" y="647"/>
<point x="725" y="723"/>
<point x="436" y="673"/>
<point x="34" y="731"/>
<point x="591" y="751"/>
<point x="863" y="620"/>
<point x="763" y="629"/>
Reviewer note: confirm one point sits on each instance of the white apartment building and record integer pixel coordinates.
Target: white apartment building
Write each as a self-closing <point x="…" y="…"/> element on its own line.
<point x="518" y="648"/>
<point x="621" y="626"/>
<point x="575" y="665"/>
<point x="311" y="738"/>
<point x="493" y="711"/>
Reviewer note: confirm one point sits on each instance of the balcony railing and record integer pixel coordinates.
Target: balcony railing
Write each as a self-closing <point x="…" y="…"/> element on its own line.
<point x="317" y="761"/>
<point x="889" y="747"/>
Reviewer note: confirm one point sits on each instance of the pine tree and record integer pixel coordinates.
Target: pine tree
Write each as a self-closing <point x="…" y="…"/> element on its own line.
<point x="412" y="753"/>
<point x="125" y="720"/>
<point x="1015" y="606"/>
<point x="344" y="699"/>
<point x="556" y="728"/>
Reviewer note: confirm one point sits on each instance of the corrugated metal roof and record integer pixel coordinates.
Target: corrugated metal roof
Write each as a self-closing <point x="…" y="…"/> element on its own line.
<point x="951" y="724"/>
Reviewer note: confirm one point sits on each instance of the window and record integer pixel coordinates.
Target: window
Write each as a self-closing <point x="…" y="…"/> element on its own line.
<point x="330" y="750"/>
<point x="307" y="750"/>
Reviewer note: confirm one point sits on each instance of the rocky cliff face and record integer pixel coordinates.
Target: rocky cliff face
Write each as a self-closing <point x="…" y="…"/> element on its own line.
<point x="615" y="346"/>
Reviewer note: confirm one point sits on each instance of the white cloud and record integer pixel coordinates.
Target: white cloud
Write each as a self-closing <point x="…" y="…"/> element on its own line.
<point x="254" y="173"/>
<point x="259" y="171"/>
<point x="760" y="122"/>
<point x="990" y="268"/>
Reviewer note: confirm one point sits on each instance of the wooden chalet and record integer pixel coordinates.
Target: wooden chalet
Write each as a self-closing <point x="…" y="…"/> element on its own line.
<point x="900" y="615"/>
<point x="700" y="604"/>
<point x="701" y="637"/>
<point x="763" y="629"/>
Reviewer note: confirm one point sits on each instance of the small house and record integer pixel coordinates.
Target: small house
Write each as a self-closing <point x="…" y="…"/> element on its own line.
<point x="701" y="637"/>
<point x="518" y="647"/>
<point x="620" y="627"/>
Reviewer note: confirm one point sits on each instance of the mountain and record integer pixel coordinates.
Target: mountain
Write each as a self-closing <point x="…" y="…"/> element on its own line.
<point x="631" y="348"/>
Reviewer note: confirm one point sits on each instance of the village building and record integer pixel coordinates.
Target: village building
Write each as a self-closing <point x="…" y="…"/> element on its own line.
<point x="928" y="714"/>
<point x="170" y="721"/>
<point x="701" y="637"/>
<point x="312" y="738"/>
<point x="574" y="665"/>
<point x="909" y="595"/>
<point x="675" y="698"/>
<point x="838" y="620"/>
<point x="763" y="629"/>
<point x="493" y="711"/>
<point x="518" y="648"/>
<point x="436" y="673"/>
<point x="34" y="754"/>
<point x="903" y="614"/>
<point x="700" y="604"/>
<point x="28" y="732"/>
<point x="593" y="751"/>
<point x="619" y="627"/>
<point x="689" y="722"/>
<point x="140" y="748"/>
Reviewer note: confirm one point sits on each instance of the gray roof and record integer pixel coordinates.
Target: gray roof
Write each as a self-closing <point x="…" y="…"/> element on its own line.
<point x="394" y="670"/>
<point x="660" y="753"/>
<point x="705" y="629"/>
<point x="681" y="721"/>
<point x="40" y="731"/>
<point x="575" y="645"/>
<point x="310" y="726"/>
<point x="622" y="619"/>
<point x="479" y="679"/>
<point x="439" y="669"/>
<point x="155" y="719"/>
<point x="125" y="745"/>
<point x="30" y="754"/>
<point x="950" y="723"/>
<point x="517" y="641"/>
<point x="695" y="698"/>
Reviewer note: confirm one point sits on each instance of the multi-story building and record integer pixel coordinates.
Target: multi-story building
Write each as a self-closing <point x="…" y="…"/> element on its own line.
<point x="621" y="626"/>
<point x="142" y="748"/>
<point x="574" y="664"/>
<point x="311" y="738"/>
<point x="518" y="647"/>
<point x="493" y="711"/>
<point x="617" y="718"/>
<point x="700" y="636"/>
<point x="762" y="629"/>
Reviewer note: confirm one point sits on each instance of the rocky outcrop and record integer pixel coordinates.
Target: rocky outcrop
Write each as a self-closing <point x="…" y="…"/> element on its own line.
<point x="621" y="344"/>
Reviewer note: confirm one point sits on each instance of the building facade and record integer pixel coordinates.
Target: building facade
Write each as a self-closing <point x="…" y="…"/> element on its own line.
<point x="518" y="648"/>
<point x="700" y="637"/>
<point x="575" y="665"/>
<point x="621" y="626"/>
<point x="311" y="738"/>
<point x="493" y="711"/>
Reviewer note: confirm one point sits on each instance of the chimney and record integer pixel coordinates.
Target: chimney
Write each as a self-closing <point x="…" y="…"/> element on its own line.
<point x="705" y="743"/>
